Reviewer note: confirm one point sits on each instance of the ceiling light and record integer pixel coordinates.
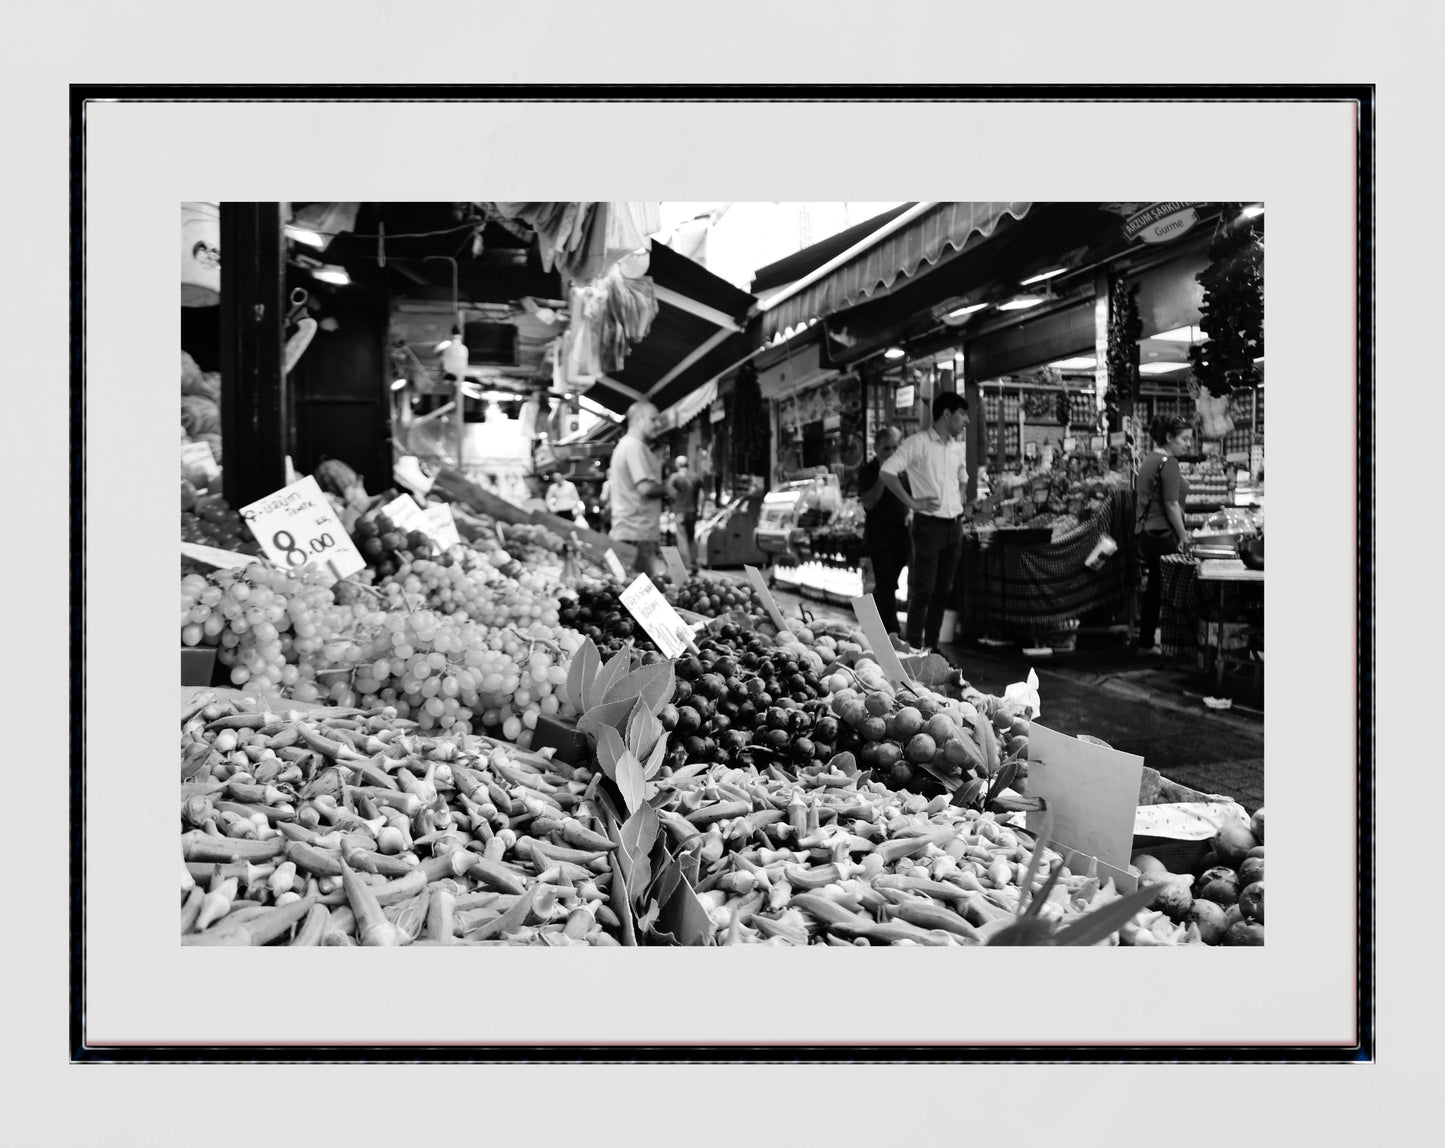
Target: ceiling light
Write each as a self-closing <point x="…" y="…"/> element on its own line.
<point x="1252" y="211"/>
<point x="303" y="235"/>
<point x="1181" y="335"/>
<point x="1042" y="275"/>
<point x="332" y="274"/>
<point x="1161" y="368"/>
<point x="396" y="386"/>
<point x="1078" y="363"/>
<point x="1019" y="302"/>
<point x="893" y="353"/>
<point x="960" y="312"/>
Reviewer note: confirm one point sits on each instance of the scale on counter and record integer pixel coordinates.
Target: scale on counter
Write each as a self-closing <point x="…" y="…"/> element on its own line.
<point x="726" y="538"/>
<point x="778" y="533"/>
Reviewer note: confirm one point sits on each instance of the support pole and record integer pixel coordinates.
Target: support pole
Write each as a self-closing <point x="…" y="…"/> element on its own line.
<point x="255" y="433"/>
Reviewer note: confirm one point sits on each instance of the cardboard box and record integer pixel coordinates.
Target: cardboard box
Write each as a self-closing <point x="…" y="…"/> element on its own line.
<point x="570" y="745"/>
<point x="198" y="665"/>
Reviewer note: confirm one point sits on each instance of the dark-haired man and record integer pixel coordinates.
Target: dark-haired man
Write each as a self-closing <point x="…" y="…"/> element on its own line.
<point x="885" y="527"/>
<point x="935" y="461"/>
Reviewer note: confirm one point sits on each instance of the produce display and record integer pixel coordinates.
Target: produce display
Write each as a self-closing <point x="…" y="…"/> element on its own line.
<point x="344" y="826"/>
<point x="1223" y="900"/>
<point x="208" y="519"/>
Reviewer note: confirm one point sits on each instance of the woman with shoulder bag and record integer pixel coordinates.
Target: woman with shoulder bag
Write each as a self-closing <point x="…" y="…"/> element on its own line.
<point x="1160" y="492"/>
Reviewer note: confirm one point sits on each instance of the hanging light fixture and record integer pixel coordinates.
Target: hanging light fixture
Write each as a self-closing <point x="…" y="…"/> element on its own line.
<point x="894" y="353"/>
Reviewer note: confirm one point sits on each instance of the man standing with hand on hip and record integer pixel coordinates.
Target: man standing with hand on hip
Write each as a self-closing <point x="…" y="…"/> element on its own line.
<point x="637" y="492"/>
<point x="935" y="461"/>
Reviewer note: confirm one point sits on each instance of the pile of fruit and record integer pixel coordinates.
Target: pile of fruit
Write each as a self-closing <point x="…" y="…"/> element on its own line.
<point x="710" y="596"/>
<point x="1223" y="899"/>
<point x="208" y="519"/>
<point x="437" y="642"/>
<point x="346" y="826"/>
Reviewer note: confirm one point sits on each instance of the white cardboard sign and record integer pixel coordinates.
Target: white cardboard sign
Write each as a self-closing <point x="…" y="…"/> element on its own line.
<point x="770" y="605"/>
<point x="654" y="613"/>
<point x="440" y="525"/>
<point x="614" y="564"/>
<point x="672" y="559"/>
<point x="297" y="527"/>
<point x="873" y="629"/>
<point x="1092" y="791"/>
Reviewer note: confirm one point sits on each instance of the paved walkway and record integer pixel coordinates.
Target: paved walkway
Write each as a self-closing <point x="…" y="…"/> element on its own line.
<point x="1141" y="706"/>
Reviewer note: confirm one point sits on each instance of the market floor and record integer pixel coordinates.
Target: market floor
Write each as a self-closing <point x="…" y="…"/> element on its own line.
<point x="1148" y="707"/>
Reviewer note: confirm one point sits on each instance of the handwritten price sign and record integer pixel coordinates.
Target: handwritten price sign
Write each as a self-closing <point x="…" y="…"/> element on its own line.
<point x="296" y="527"/>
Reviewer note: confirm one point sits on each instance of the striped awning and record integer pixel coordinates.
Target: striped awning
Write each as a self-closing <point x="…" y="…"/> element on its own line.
<point x="913" y="248"/>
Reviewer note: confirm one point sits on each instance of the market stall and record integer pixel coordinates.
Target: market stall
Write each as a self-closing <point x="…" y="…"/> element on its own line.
<point x="440" y="718"/>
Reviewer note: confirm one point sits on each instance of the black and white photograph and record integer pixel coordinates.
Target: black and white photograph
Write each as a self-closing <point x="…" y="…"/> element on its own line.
<point x="703" y="579"/>
<point x="706" y="573"/>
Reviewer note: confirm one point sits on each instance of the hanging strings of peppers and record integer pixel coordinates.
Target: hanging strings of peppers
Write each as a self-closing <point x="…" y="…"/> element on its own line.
<point x="1233" y="307"/>
<point x="748" y="424"/>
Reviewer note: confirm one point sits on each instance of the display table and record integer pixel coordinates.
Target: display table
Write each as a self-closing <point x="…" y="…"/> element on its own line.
<point x="1040" y="590"/>
<point x="1196" y="596"/>
<point x="1222" y="576"/>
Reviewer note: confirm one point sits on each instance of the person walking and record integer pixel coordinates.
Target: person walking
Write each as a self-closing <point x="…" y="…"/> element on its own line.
<point x="935" y="461"/>
<point x="685" y="489"/>
<point x="637" y="491"/>
<point x="562" y="499"/>
<point x="885" y="526"/>
<point x="1160" y="491"/>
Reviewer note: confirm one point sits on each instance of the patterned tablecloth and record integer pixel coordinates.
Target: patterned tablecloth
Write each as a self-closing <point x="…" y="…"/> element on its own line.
<point x="1037" y="589"/>
<point x="1185" y="601"/>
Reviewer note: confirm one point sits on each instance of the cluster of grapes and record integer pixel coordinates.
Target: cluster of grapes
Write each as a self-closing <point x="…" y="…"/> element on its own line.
<point x="275" y="629"/>
<point x="460" y="676"/>
<point x="453" y="643"/>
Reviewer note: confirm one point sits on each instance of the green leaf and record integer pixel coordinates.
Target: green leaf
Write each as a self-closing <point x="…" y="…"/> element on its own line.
<point x="630" y="781"/>
<point x="948" y="783"/>
<point x="1045" y="835"/>
<point x="654" y="684"/>
<point x="579" y="678"/>
<point x="1093" y="927"/>
<point x="1003" y="780"/>
<point x="610" y="748"/>
<point x="1025" y="931"/>
<point x="613" y="714"/>
<point x="968" y="795"/>
<point x="612" y="671"/>
<point x="654" y="761"/>
<point x="644" y="732"/>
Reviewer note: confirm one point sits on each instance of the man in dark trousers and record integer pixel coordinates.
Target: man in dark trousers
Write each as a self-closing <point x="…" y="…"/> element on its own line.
<point x="935" y="461"/>
<point x="885" y="528"/>
<point x="685" y="488"/>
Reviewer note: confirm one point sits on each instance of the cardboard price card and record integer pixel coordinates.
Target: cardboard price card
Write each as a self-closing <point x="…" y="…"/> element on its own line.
<point x="440" y="525"/>
<point x="1092" y="791"/>
<point x="297" y="527"/>
<point x="884" y="654"/>
<point x="770" y="605"/>
<point x="615" y="564"/>
<point x="672" y="559"/>
<point x="654" y="613"/>
<point x="405" y="513"/>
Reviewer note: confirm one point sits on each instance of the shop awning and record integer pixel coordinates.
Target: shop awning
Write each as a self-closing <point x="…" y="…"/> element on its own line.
<point x="906" y="245"/>
<point x="690" y="405"/>
<point x="699" y="325"/>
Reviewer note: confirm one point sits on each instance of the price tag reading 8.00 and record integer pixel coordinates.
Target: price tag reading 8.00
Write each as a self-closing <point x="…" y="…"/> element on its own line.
<point x="296" y="527"/>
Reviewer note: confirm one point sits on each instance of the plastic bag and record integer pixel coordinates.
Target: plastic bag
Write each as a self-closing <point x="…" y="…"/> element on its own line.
<point x="1026" y="695"/>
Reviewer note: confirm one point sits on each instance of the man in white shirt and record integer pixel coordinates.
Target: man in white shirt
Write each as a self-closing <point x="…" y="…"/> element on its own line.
<point x="636" y="489"/>
<point x="935" y="461"/>
<point x="562" y="498"/>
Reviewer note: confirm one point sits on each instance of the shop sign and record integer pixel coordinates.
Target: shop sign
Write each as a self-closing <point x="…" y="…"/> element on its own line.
<point x="1161" y="222"/>
<point x="297" y="527"/>
<point x="904" y="397"/>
